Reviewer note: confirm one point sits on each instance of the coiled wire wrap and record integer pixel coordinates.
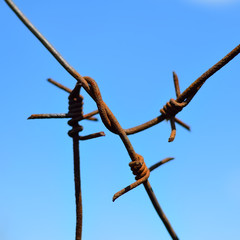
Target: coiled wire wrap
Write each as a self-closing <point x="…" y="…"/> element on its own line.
<point x="140" y="170"/>
<point x="171" y="108"/>
<point x="75" y="108"/>
<point x="169" y="111"/>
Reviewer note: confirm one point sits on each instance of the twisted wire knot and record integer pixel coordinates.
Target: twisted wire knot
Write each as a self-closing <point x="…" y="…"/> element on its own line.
<point x="106" y="115"/>
<point x="139" y="168"/>
<point x="171" y="108"/>
<point x="142" y="173"/>
<point x="75" y="107"/>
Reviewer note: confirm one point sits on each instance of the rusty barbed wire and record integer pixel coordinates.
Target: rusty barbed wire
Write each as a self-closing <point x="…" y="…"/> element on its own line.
<point x="88" y="116"/>
<point x="168" y="112"/>
<point x="137" y="165"/>
<point x="75" y="106"/>
<point x="113" y="125"/>
<point x="190" y="92"/>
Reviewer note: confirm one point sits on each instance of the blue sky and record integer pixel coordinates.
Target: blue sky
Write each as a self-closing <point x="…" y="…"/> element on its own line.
<point x="130" y="48"/>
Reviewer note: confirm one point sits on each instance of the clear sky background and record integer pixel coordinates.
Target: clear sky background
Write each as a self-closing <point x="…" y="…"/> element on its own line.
<point x="130" y="48"/>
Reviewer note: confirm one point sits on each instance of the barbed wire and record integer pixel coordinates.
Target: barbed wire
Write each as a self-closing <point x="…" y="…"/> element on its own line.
<point x="168" y="112"/>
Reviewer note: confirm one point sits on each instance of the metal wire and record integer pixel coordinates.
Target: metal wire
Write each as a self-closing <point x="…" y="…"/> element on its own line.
<point x="76" y="107"/>
<point x="169" y="111"/>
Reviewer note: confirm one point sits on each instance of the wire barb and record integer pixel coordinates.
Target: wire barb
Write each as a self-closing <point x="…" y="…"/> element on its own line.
<point x="169" y="112"/>
<point x="59" y="85"/>
<point x="176" y="84"/>
<point x="88" y="116"/>
<point x="91" y="136"/>
<point x="156" y="165"/>
<point x="142" y="173"/>
<point x="172" y="108"/>
<point x="64" y="115"/>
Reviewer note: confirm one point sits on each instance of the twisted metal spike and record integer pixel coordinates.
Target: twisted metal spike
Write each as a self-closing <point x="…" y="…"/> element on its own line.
<point x="88" y="116"/>
<point x="172" y="119"/>
<point x="59" y="85"/>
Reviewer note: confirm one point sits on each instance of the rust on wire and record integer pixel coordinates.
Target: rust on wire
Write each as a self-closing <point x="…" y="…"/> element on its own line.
<point x="190" y="92"/>
<point x="168" y="112"/>
<point x="137" y="164"/>
<point x="88" y="116"/>
<point x="64" y="115"/>
<point x="156" y="165"/>
<point x="76" y="107"/>
<point x="171" y="109"/>
<point x="76" y="114"/>
<point x="187" y="94"/>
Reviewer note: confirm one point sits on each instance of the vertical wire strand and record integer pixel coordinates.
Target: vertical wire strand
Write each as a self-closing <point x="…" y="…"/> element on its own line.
<point x="78" y="193"/>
